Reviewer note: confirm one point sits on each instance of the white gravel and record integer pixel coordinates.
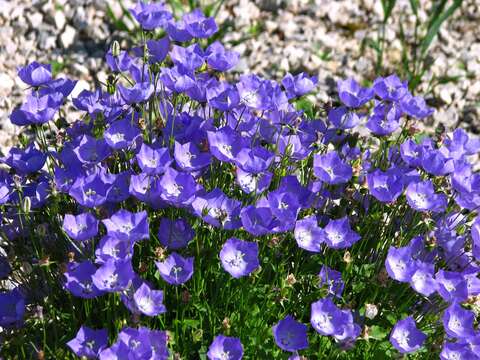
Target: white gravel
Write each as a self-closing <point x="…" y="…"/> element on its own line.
<point x="323" y="37"/>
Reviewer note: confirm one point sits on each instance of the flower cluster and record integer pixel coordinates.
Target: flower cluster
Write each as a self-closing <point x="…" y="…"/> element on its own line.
<point x="170" y="148"/>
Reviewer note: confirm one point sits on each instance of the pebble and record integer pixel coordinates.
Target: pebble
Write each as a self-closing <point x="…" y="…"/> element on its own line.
<point x="327" y="38"/>
<point x="68" y="37"/>
<point x="60" y="20"/>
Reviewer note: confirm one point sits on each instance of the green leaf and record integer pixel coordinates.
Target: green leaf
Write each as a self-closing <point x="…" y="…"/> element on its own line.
<point x="377" y="332"/>
<point x="117" y="22"/>
<point x="387" y="6"/>
<point x="435" y="25"/>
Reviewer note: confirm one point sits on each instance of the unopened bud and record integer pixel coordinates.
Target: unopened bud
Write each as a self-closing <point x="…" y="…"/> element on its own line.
<point x="42" y="230"/>
<point x="115" y="48"/>
<point x="26" y="205"/>
<point x="197" y="335"/>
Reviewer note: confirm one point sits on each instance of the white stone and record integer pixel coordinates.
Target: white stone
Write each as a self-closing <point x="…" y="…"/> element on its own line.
<point x="59" y="19"/>
<point x="68" y="37"/>
<point x="35" y="20"/>
<point x="79" y="87"/>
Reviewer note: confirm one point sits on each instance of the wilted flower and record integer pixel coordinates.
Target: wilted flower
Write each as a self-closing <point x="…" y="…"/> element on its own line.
<point x="371" y="311"/>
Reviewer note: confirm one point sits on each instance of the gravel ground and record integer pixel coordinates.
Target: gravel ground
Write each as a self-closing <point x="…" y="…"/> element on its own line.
<point x="322" y="37"/>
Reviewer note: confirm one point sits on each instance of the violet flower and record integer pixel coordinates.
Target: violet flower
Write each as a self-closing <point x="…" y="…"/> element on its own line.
<point x="405" y="336"/>
<point x="175" y="234"/>
<point x="386" y="186"/>
<point x="176" y="269"/>
<point x="333" y="280"/>
<point x="79" y="280"/>
<point x="352" y="94"/>
<point x="220" y="59"/>
<point x="308" y="234"/>
<point x="338" y="234"/>
<point x="198" y="25"/>
<point x="224" y="347"/>
<point x="148" y="301"/>
<point x="422" y="197"/>
<point x="127" y="225"/>
<point x="390" y="88"/>
<point x="290" y="335"/>
<point x="35" y="74"/>
<point x="81" y="227"/>
<point x="399" y="264"/>
<point x="138" y="93"/>
<point x="239" y="258"/>
<point x="114" y="275"/>
<point x="331" y="169"/>
<point x="153" y="161"/>
<point x="177" y="188"/>
<point x="151" y="16"/>
<point x="89" y="342"/>
<point x="458" y="322"/>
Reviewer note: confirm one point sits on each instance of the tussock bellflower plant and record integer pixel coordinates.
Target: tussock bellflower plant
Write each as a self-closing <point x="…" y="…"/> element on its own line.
<point x="189" y="211"/>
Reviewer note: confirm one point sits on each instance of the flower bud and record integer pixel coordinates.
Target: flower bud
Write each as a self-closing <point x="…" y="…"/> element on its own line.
<point x="42" y="230"/>
<point x="115" y="48"/>
<point x="26" y="205"/>
<point x="197" y="335"/>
